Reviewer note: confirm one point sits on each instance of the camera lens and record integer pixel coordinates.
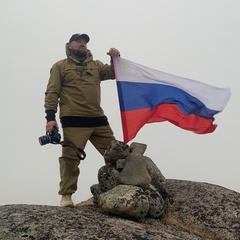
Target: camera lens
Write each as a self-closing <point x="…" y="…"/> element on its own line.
<point x="44" y="140"/>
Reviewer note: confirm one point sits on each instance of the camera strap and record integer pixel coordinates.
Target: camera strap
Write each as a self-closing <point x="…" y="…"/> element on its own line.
<point x="80" y="152"/>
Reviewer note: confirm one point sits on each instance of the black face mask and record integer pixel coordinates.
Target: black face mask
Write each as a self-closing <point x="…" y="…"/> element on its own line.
<point x="79" y="54"/>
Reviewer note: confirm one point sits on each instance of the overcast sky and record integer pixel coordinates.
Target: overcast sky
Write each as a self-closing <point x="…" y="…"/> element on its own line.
<point x="197" y="39"/>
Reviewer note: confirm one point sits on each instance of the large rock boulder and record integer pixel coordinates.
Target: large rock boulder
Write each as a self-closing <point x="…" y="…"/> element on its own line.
<point x="156" y="202"/>
<point x="135" y="170"/>
<point x="208" y="210"/>
<point x="130" y="178"/>
<point x="125" y="201"/>
<point x="198" y="211"/>
<point x="157" y="178"/>
<point x="116" y="150"/>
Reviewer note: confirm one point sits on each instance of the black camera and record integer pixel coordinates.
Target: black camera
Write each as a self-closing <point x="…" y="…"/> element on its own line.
<point x="53" y="138"/>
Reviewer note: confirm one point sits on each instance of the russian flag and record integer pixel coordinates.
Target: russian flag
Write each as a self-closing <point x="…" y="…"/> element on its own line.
<point x="147" y="95"/>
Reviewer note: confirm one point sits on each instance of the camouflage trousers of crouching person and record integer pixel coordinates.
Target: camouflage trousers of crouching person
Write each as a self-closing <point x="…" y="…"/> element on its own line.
<point x="69" y="162"/>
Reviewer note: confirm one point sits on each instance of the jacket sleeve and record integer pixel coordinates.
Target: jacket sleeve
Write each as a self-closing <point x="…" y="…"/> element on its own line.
<point x="52" y="93"/>
<point x="106" y="71"/>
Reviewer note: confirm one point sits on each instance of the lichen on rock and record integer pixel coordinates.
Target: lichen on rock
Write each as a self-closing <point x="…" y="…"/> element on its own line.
<point x="143" y="183"/>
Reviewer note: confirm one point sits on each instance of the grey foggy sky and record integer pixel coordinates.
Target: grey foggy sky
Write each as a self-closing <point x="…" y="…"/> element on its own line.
<point x="197" y="39"/>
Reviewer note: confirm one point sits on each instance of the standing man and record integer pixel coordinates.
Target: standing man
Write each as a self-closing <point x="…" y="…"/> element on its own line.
<point x="74" y="84"/>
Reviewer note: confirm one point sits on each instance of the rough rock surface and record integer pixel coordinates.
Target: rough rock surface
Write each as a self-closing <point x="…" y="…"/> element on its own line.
<point x="135" y="172"/>
<point x="126" y="201"/>
<point x="197" y="211"/>
<point x="111" y="174"/>
<point x="206" y="209"/>
<point x="158" y="180"/>
<point x="116" y="150"/>
<point x="156" y="203"/>
<point x="127" y="170"/>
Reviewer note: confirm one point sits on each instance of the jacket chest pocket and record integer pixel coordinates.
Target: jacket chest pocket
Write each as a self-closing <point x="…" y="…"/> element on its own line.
<point x="70" y="76"/>
<point x="81" y="75"/>
<point x="90" y="76"/>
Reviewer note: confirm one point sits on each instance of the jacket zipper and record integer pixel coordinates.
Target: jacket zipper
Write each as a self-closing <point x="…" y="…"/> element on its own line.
<point x="81" y="72"/>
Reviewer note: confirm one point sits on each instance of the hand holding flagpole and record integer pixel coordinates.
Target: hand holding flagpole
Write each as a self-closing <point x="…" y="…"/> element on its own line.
<point x="113" y="52"/>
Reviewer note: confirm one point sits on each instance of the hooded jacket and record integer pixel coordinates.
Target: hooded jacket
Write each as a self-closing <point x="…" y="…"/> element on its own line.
<point x="75" y="87"/>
